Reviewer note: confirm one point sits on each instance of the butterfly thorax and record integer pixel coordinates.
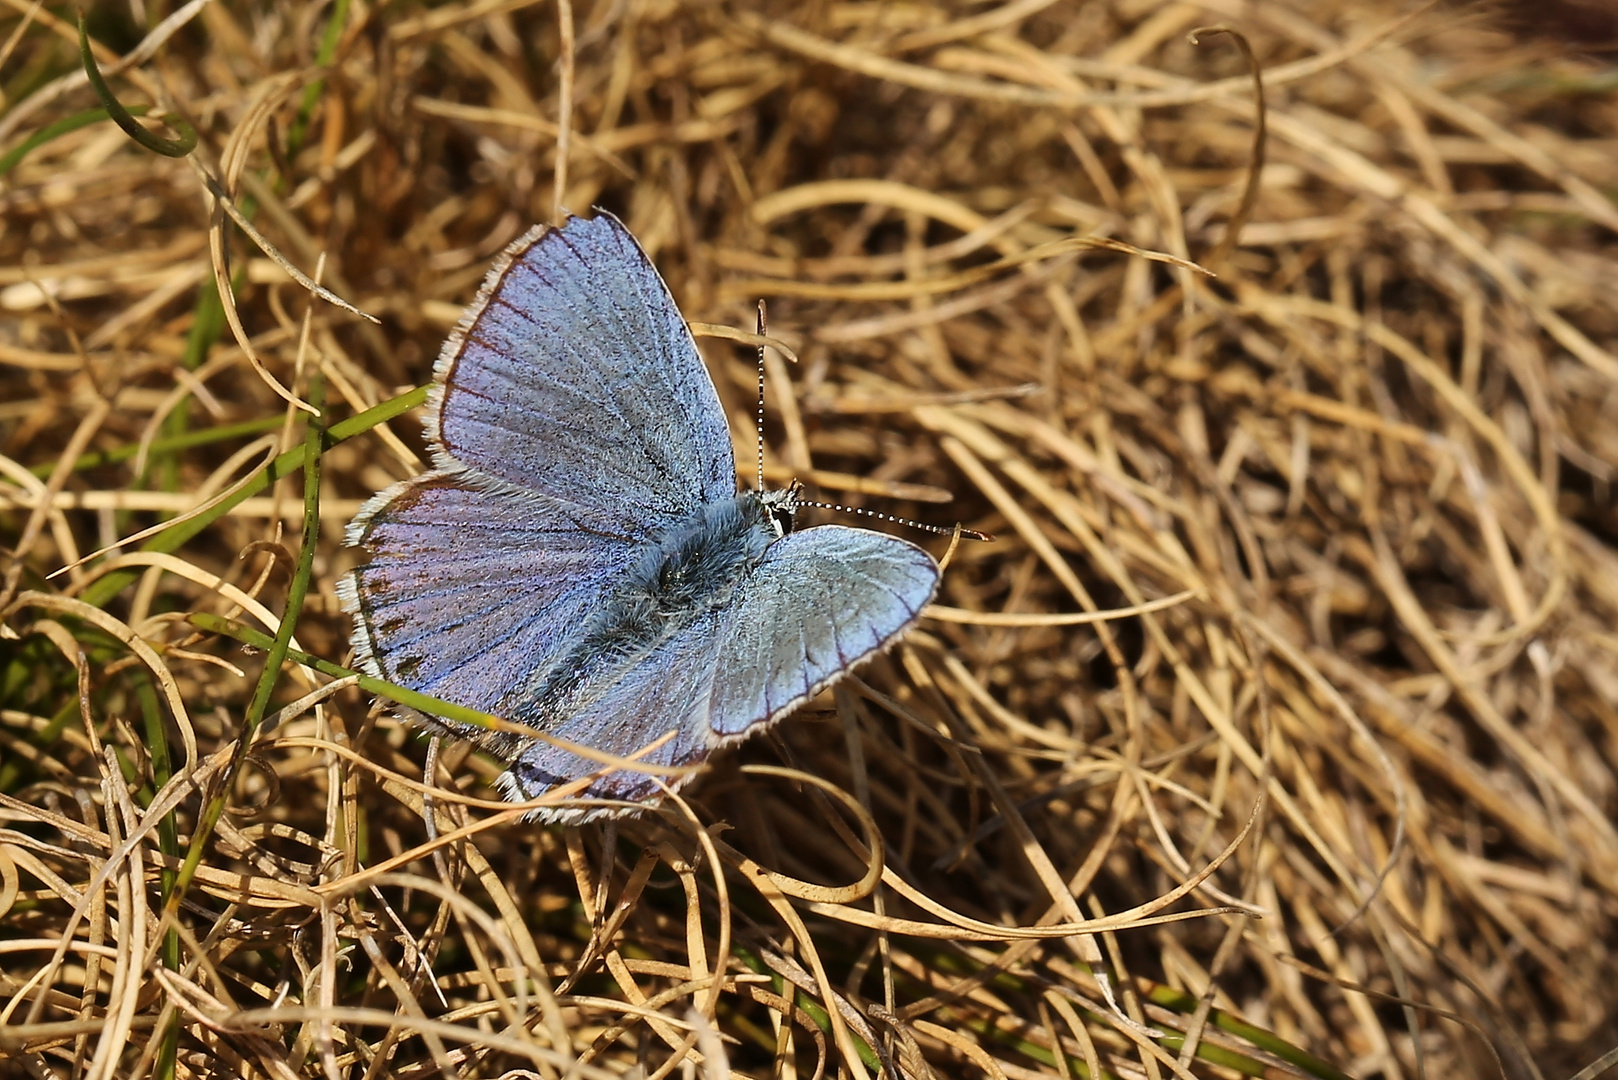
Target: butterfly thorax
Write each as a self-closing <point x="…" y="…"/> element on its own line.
<point x="688" y="571"/>
<point x="695" y="565"/>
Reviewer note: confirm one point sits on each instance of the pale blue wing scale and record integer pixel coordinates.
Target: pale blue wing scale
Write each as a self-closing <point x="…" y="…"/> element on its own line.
<point x="821" y="601"/>
<point x="469" y="590"/>
<point x="574" y="376"/>
<point x="670" y="689"/>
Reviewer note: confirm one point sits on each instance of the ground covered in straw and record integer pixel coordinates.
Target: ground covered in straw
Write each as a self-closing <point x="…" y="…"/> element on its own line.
<point x="1275" y="734"/>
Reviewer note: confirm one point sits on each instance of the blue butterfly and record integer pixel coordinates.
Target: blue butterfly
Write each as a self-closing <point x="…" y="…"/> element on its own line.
<point x="579" y="561"/>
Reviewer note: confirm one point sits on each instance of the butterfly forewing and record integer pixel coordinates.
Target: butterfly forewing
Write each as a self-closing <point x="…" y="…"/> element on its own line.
<point x="575" y="377"/>
<point x="469" y="590"/>
<point x="820" y="602"/>
<point x="661" y="702"/>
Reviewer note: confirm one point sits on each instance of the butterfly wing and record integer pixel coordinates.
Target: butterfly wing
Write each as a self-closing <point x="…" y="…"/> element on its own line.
<point x="821" y="601"/>
<point x="470" y="590"/>
<point x="668" y="691"/>
<point x="573" y="376"/>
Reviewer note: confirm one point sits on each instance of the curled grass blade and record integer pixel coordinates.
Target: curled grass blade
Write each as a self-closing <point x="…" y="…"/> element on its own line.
<point x="175" y="148"/>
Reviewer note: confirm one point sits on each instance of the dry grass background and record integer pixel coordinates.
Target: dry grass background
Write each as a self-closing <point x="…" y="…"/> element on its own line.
<point x="1342" y="804"/>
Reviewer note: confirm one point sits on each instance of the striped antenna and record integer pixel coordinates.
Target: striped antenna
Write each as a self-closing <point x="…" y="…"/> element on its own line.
<point x="760" y="396"/>
<point x="939" y="530"/>
<point x="970" y="534"/>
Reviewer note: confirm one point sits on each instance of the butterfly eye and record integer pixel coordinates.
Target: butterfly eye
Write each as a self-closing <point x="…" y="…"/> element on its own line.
<point x="669" y="574"/>
<point x="781" y="508"/>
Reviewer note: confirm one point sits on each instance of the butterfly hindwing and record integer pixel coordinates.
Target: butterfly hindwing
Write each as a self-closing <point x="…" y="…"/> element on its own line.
<point x="665" y="696"/>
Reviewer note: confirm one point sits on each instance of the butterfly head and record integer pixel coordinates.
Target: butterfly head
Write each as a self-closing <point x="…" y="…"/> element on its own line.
<point x="781" y="507"/>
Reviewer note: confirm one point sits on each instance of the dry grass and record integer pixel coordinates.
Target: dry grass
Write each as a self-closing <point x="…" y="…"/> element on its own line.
<point x="1344" y="806"/>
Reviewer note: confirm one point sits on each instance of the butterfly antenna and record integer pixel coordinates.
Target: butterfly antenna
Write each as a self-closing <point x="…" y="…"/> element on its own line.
<point x="955" y="530"/>
<point x="937" y="530"/>
<point x="761" y="396"/>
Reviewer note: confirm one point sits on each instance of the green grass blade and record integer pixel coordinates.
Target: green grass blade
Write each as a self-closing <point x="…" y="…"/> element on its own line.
<point x="104" y="589"/>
